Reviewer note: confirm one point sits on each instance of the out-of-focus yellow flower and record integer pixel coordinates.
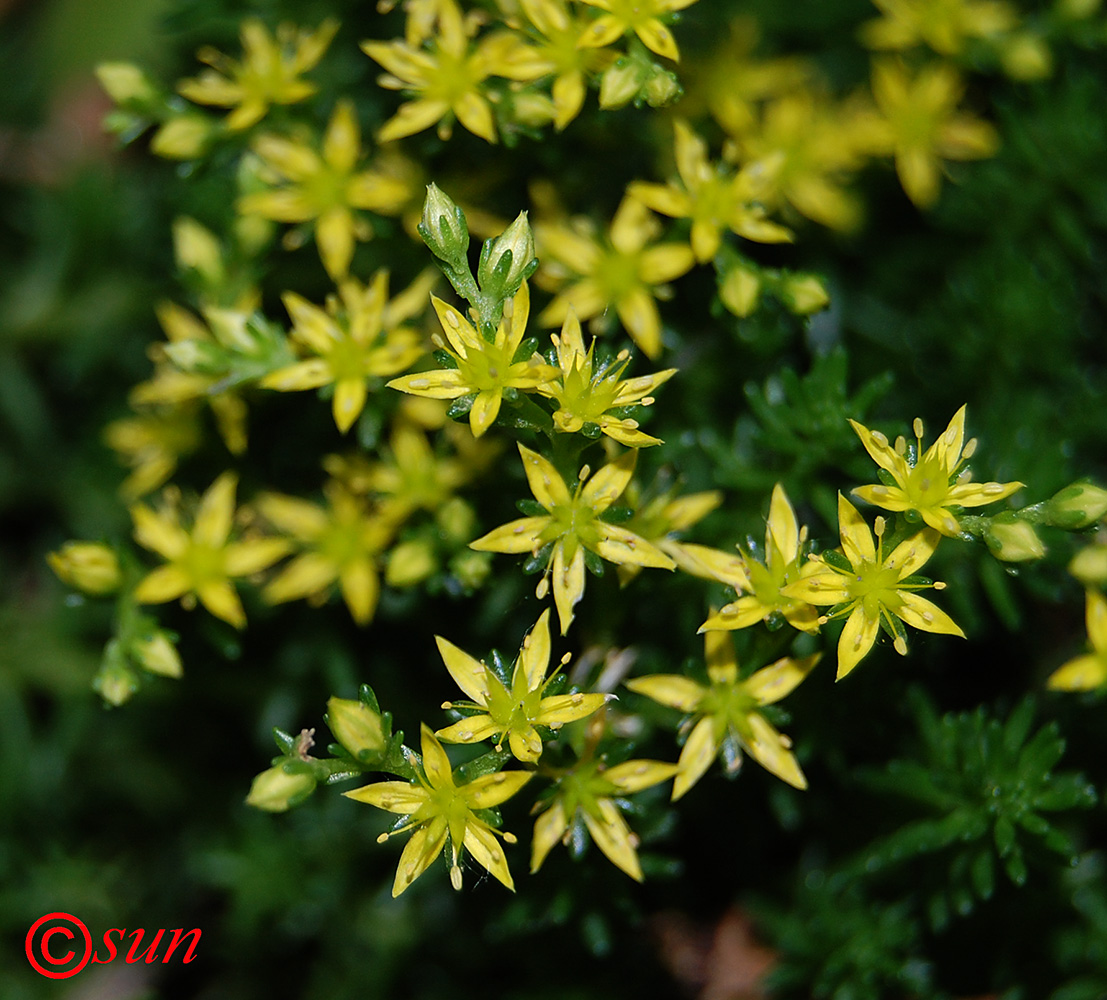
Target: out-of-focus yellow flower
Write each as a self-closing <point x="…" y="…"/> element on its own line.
<point x="152" y="444"/>
<point x="590" y="791"/>
<point x="325" y="188"/>
<point x="713" y="197"/>
<point x="660" y="521"/>
<point x="512" y="714"/>
<point x="360" y="335"/>
<point x="435" y="807"/>
<point x="203" y="561"/>
<point x="341" y="543"/>
<point x="1089" y="671"/>
<point x="730" y="81"/>
<point x="573" y="523"/>
<point x="586" y="392"/>
<point x="872" y="589"/>
<point x="268" y="73"/>
<point x="725" y="715"/>
<point x="555" y="52"/>
<point x="812" y="150"/>
<point x="643" y="17"/>
<point x="622" y="271"/>
<point x="487" y="370"/>
<point x="784" y="564"/>
<point x="89" y="566"/>
<point x="918" y="123"/>
<point x="447" y="78"/>
<point x="944" y="25"/>
<point x="929" y="483"/>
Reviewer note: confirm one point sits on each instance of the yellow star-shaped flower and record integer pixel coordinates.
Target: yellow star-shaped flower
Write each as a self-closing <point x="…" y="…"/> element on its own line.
<point x="512" y="714"/>
<point x="872" y="589"/>
<point x="590" y="791"/>
<point x="572" y="524"/>
<point x="932" y="484"/>
<point x="203" y="561"/>
<point x="487" y="370"/>
<point x="944" y="25"/>
<point x="643" y="17"/>
<point x="437" y="808"/>
<point x="728" y="711"/>
<point x="268" y="73"/>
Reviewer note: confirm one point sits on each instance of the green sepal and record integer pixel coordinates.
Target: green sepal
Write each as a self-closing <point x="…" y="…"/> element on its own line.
<point x="525" y="349"/>
<point x="532" y="508"/>
<point x="368" y="698"/>
<point x="286" y="742"/>
<point x="461" y="406"/>
<point x="445" y="359"/>
<point x="593" y="562"/>
<point x="832" y="557"/>
<point x="539" y="560"/>
<point x="617" y="514"/>
<point x="487" y="763"/>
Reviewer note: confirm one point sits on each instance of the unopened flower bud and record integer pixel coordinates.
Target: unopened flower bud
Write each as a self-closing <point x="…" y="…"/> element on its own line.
<point x="471" y="569"/>
<point x="1026" y="57"/>
<point x="443" y="227"/>
<point x="1089" y="566"/>
<point x="1075" y="507"/>
<point x="739" y="290"/>
<point x="804" y="294"/>
<point x="356" y="726"/>
<point x="125" y="83"/>
<point x="457" y="521"/>
<point x="196" y="357"/>
<point x="1013" y="540"/>
<point x="662" y="89"/>
<point x="410" y="563"/>
<point x="158" y="655"/>
<point x="276" y="790"/>
<point x="115" y="681"/>
<point x="620" y="83"/>
<point x="88" y="566"/>
<point x="196" y="249"/>
<point x="508" y="260"/>
<point x="183" y="138"/>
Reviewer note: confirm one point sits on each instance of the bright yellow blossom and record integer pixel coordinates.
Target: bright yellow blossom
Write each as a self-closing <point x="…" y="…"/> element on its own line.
<point x="784" y="564"/>
<point x="341" y="543"/>
<point x="933" y="483"/>
<point x="436" y="807"/>
<point x="1084" y="673"/>
<point x="152" y="444"/>
<point x="512" y="714"/>
<point x="360" y="335"/>
<point x="268" y="73"/>
<point x="919" y="124"/>
<point x="573" y="523"/>
<point x="202" y="561"/>
<point x="871" y="589"/>
<point x="712" y="197"/>
<point x="725" y="715"/>
<point x="944" y="25"/>
<point x="586" y="392"/>
<point x="448" y="78"/>
<point x="621" y="271"/>
<point x="325" y="188"/>
<point x="643" y="17"/>
<point x="486" y="370"/>
<point x="590" y="791"/>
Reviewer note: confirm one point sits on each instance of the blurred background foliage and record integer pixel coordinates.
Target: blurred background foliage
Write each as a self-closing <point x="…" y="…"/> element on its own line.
<point x="135" y="817"/>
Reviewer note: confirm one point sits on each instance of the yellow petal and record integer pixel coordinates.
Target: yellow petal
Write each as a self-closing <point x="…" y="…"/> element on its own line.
<point x="926" y="615"/>
<point x="474" y="729"/>
<point x="771" y="683"/>
<point x="360" y="587"/>
<point x="334" y="235"/>
<point x="163" y="584"/>
<point x="673" y="690"/>
<point x="635" y="775"/>
<point x="444" y="384"/>
<point x="474" y="113"/>
<point x="526" y="744"/>
<point x="299" y="377"/>
<point x="468" y="673"/>
<point x="253" y="555"/>
<point x="548" y="830"/>
<point x="545" y="481"/>
<point x="485" y="409"/>
<point x="913" y="553"/>
<point x="708" y="563"/>
<point x="481" y="842"/>
<point x="294" y="516"/>
<point x="857" y="539"/>
<point x="419" y="853"/>
<point x="342" y="142"/>
<point x="158" y="533"/>
<point x="612" y="836"/>
<point x="947" y="449"/>
<point x="857" y="639"/>
<point x="562" y="708"/>
<point x="639" y="315"/>
<point x="534" y="657"/>
<point x="411" y="118"/>
<point x="220" y="598"/>
<point x="607" y="485"/>
<point x="768" y="748"/>
<point x="568" y="584"/>
<point x="696" y="756"/>
<point x="618" y="545"/>
<point x="520" y="535"/>
<point x="1095" y="617"/>
<point x="348" y="402"/>
<point x="307" y="574"/>
<point x="492" y="790"/>
<point x="1084" y="673"/>
<point x="881" y="452"/>
<point x="741" y="613"/>
<point x="665" y="262"/>
<point x="216" y="512"/>
<point x="436" y="765"/>
<point x="782" y="529"/>
<point x="394" y="796"/>
<point x="657" y="38"/>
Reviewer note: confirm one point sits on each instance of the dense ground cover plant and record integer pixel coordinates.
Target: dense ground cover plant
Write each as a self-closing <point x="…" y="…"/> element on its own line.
<point x="565" y="354"/>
